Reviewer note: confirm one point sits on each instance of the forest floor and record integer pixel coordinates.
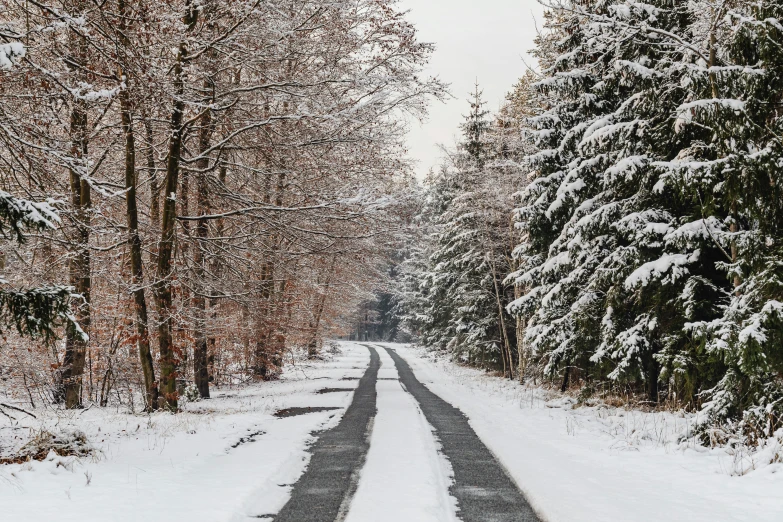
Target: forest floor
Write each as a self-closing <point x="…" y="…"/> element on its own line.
<point x="245" y="454"/>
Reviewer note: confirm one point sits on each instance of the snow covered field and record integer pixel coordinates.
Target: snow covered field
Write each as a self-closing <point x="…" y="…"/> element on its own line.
<point x="230" y="459"/>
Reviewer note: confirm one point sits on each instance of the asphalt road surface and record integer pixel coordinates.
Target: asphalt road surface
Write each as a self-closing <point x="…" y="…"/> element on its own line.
<point x="482" y="488"/>
<point x="323" y="493"/>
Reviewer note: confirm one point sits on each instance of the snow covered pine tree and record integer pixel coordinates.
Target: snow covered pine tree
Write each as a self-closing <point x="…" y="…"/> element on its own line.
<point x="651" y="252"/>
<point x="456" y="294"/>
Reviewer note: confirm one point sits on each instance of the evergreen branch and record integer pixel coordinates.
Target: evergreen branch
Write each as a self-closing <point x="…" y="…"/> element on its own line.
<point x="35" y="312"/>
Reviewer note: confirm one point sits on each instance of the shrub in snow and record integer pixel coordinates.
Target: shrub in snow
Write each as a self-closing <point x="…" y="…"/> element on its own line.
<point x="44" y="442"/>
<point x="190" y="393"/>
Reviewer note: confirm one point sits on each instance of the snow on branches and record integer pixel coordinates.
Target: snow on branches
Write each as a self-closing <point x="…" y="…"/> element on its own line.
<point x="651" y="228"/>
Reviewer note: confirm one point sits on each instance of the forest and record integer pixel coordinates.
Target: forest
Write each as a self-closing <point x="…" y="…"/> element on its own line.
<point x="191" y="187"/>
<point x="192" y="190"/>
<point x="615" y="228"/>
<point x="232" y="288"/>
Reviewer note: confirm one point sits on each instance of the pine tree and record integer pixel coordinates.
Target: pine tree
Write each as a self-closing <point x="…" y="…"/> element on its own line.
<point x="651" y="230"/>
<point x="425" y="302"/>
<point x="474" y="129"/>
<point x="733" y="171"/>
<point x="625" y="257"/>
<point x="456" y="294"/>
<point x="572" y="99"/>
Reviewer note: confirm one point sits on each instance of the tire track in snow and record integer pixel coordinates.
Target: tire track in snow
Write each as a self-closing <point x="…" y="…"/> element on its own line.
<point x="483" y="489"/>
<point x="323" y="493"/>
<point x="406" y="477"/>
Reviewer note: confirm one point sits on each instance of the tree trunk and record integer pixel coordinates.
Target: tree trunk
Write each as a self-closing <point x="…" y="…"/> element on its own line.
<point x="80" y="277"/>
<point x="502" y="322"/>
<point x="312" y="347"/>
<point x="134" y="240"/>
<point x="734" y="228"/>
<point x="264" y="347"/>
<point x="653" y="370"/>
<point x="200" y="358"/>
<point x="153" y="175"/>
<point x="163" y="282"/>
<point x="566" y="379"/>
<point x="262" y="319"/>
<point x="217" y="263"/>
<point x="521" y="352"/>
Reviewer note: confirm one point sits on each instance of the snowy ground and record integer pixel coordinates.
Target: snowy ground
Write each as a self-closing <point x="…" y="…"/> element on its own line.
<point x="230" y="459"/>
<point x="226" y="459"/>
<point x="601" y="463"/>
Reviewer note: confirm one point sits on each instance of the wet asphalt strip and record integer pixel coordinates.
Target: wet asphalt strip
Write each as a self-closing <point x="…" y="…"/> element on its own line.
<point x="483" y="489"/>
<point x="323" y="493"/>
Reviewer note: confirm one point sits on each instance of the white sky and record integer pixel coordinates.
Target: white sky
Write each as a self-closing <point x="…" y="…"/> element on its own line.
<point x="476" y="39"/>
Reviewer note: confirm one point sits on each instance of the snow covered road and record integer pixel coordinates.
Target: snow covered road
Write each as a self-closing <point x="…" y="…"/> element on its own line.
<point x="482" y="487"/>
<point x="405" y="477"/>
<point x="419" y="440"/>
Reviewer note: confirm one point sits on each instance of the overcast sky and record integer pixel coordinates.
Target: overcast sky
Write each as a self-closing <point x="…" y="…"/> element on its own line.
<point x="476" y="39"/>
